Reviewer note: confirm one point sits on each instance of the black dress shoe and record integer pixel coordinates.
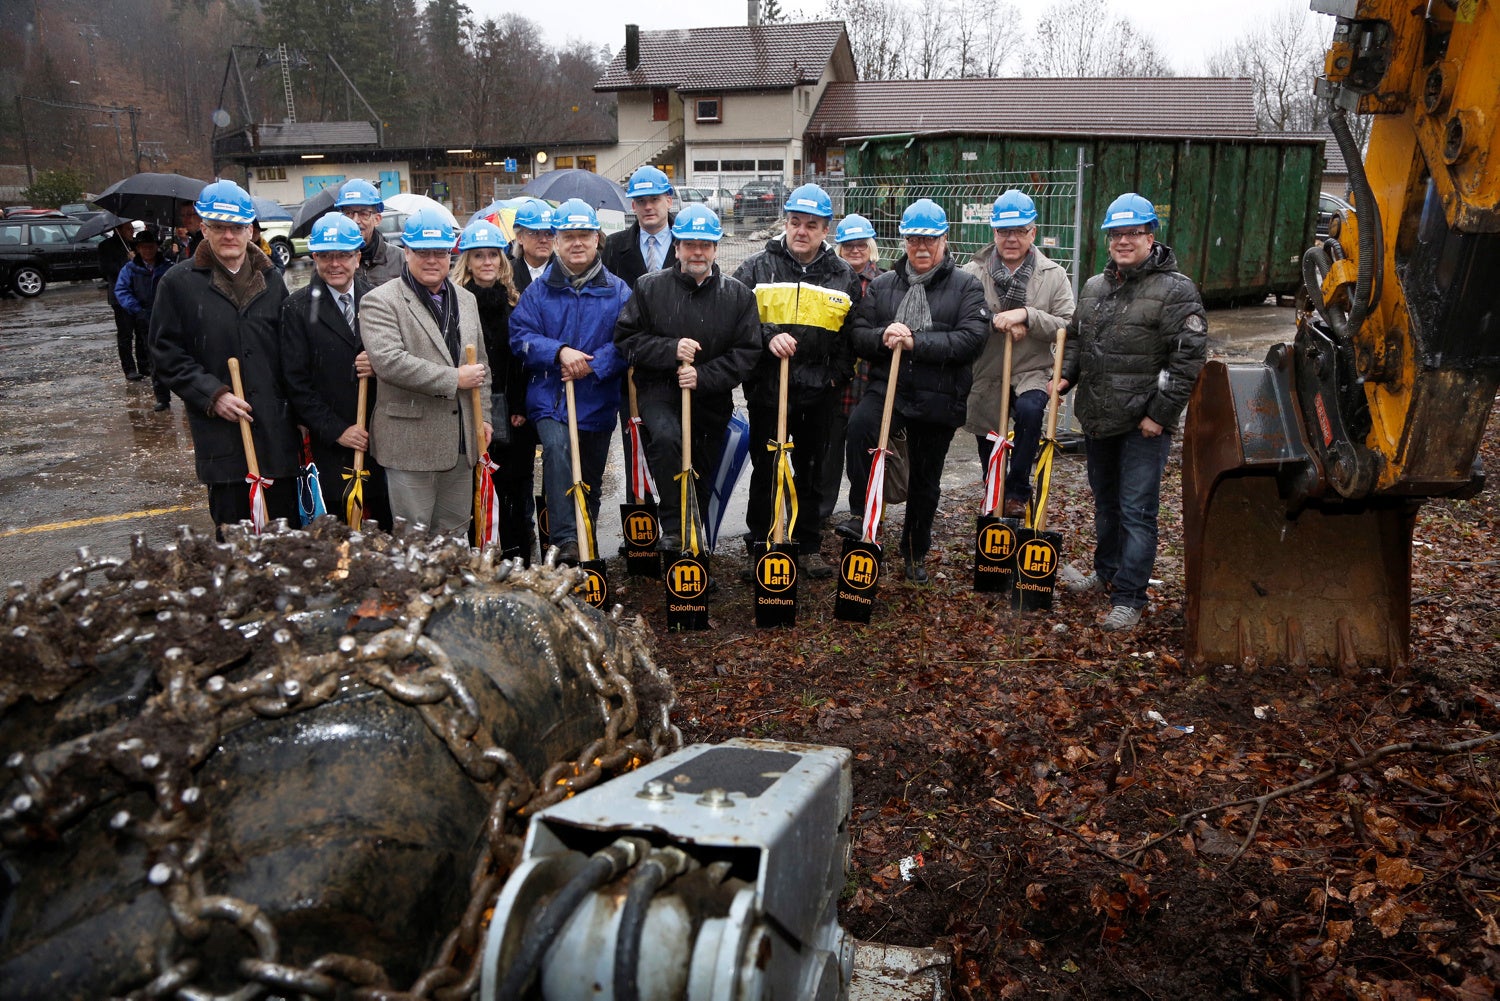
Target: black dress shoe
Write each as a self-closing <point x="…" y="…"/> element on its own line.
<point x="915" y="571"/>
<point x="162" y="405"/>
<point x="134" y="376"/>
<point x="852" y="527"/>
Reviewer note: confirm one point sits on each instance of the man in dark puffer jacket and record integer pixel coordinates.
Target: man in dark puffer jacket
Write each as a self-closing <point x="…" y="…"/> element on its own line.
<point x="805" y="293"/>
<point x="1135" y="347"/>
<point x="937" y="314"/>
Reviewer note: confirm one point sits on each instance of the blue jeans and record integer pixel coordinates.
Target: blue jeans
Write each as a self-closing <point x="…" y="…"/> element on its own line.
<point x="1026" y="411"/>
<point x="557" y="475"/>
<point x="1125" y="474"/>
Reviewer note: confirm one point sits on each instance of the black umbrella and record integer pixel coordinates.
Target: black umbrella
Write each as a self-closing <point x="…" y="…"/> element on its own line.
<point x="595" y="189"/>
<point x="101" y="223"/>
<point x="314" y="209"/>
<point x="151" y="197"/>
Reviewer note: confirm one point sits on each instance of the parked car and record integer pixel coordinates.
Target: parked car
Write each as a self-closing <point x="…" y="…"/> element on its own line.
<point x="15" y="211"/>
<point x="760" y="200"/>
<point x="39" y="249"/>
<point x="1330" y="208"/>
<point x="278" y="234"/>
<point x="721" y="200"/>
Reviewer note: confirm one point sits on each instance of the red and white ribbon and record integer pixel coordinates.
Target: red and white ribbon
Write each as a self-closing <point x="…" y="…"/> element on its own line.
<point x="875" y="494"/>
<point x="994" y="474"/>
<point x="489" y="502"/>
<point x="258" y="516"/>
<point x="641" y="483"/>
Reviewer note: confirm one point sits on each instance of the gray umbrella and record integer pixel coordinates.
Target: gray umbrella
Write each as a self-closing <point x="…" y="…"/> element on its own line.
<point x="101" y="223"/>
<point x="595" y="189"/>
<point x="150" y="197"/>
<point x="268" y="211"/>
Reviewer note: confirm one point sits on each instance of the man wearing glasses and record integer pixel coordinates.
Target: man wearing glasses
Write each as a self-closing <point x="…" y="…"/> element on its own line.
<point x="225" y="302"/>
<point x="1135" y="347"/>
<point x="378" y="261"/>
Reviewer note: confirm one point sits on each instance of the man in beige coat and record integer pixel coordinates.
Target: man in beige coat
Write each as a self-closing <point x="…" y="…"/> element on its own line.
<point x="415" y="329"/>
<point x="1030" y="297"/>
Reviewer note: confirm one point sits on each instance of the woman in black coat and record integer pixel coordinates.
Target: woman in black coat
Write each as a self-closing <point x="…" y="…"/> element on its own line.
<point x="485" y="270"/>
<point x="936" y="313"/>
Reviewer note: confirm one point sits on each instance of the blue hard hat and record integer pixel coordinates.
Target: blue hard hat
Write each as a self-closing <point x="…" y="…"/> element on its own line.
<point x="924" y="217"/>
<point x="334" y="232"/>
<point x="428" y="229"/>
<point x="482" y="233"/>
<point x="1012" y="210"/>
<point x="810" y="199"/>
<point x="698" y="222"/>
<point x="853" y="227"/>
<point x="647" y="181"/>
<point x="225" y="201"/>
<point x="535" y="214"/>
<point x="575" y="213"/>
<point x="359" y="193"/>
<point x="1130" y="209"/>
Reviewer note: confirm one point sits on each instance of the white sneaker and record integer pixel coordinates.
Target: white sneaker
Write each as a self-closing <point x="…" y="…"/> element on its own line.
<point x="1077" y="583"/>
<point x="1120" y="618"/>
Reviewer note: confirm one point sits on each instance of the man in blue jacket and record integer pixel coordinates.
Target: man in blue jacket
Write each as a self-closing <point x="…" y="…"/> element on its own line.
<point x="563" y="330"/>
<point x="135" y="291"/>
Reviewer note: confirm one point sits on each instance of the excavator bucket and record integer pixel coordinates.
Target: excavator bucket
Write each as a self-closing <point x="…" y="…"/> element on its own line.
<point x="1276" y="574"/>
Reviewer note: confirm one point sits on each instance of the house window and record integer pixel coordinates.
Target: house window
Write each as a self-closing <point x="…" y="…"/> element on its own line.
<point x="739" y="165"/>
<point x="770" y="166"/>
<point x="708" y="109"/>
<point x="562" y="163"/>
<point x="588" y="163"/>
<point x="270" y="173"/>
<point x="705" y="166"/>
<point x="660" y="111"/>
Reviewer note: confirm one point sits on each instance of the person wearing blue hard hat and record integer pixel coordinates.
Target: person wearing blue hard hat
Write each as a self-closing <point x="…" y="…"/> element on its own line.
<point x="223" y="302"/>
<point x="935" y="312"/>
<point x="805" y="293"/>
<point x="417" y="330"/>
<point x="646" y="244"/>
<point x="563" y="330"/>
<point x="359" y="200"/>
<point x="688" y="326"/>
<point x="532" y="250"/>
<point x="1030" y="297"/>
<point x="324" y="358"/>
<point x="484" y="269"/>
<point x="1135" y="347"/>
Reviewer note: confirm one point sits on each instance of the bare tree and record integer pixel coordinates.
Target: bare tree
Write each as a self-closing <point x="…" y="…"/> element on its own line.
<point x="1084" y="38"/>
<point x="878" y="34"/>
<point x="933" y="41"/>
<point x="980" y="28"/>
<point x="1284" y="57"/>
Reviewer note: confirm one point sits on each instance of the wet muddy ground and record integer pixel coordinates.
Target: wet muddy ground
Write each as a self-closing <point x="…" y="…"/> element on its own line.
<point x="85" y="462"/>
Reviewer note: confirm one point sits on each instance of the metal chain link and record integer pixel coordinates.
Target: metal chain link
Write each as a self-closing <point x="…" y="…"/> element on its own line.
<point x="177" y="729"/>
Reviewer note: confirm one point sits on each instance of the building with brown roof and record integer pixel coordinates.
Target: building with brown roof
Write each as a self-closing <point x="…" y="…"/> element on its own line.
<point x="720" y="106"/>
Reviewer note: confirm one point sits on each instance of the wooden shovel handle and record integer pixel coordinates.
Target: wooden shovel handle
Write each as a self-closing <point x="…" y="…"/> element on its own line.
<point x="585" y="541"/>
<point x="1005" y="369"/>
<point x="1057" y="367"/>
<point x="359" y="418"/>
<point x="635" y="410"/>
<point x="890" y="398"/>
<point x="245" y="435"/>
<point x="687" y="424"/>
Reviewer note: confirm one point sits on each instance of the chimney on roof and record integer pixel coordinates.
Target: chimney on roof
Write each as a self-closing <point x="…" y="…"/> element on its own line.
<point x="632" y="46"/>
<point x="752" y="12"/>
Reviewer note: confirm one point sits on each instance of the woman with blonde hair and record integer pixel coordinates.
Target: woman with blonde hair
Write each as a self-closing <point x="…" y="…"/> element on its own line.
<point x="485" y="270"/>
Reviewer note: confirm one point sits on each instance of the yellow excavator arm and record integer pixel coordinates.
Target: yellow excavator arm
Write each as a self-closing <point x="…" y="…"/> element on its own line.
<point x="1302" y="476"/>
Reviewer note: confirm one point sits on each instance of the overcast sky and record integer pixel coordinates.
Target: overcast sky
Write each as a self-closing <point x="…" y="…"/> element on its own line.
<point x="1188" y="31"/>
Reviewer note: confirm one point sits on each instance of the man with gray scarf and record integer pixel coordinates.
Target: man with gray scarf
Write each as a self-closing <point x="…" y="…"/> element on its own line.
<point x="1031" y="298"/>
<point x="937" y="315"/>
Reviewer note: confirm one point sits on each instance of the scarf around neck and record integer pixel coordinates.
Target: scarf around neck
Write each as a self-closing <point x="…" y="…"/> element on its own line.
<point x="585" y="276"/>
<point x="913" y="310"/>
<point x="1010" y="288"/>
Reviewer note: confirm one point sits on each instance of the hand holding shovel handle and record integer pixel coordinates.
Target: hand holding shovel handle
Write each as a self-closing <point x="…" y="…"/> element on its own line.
<point x="1057" y="367"/>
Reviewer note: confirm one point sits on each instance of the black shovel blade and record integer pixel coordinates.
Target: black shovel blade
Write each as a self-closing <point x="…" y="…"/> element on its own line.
<point x="595" y="587"/>
<point x="775" y="583"/>
<point x="687" y="592"/>
<point x="995" y="554"/>
<point x="859" y="576"/>
<point x="1037" y="561"/>
<point x="642" y="531"/>
<point x="543" y="532"/>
